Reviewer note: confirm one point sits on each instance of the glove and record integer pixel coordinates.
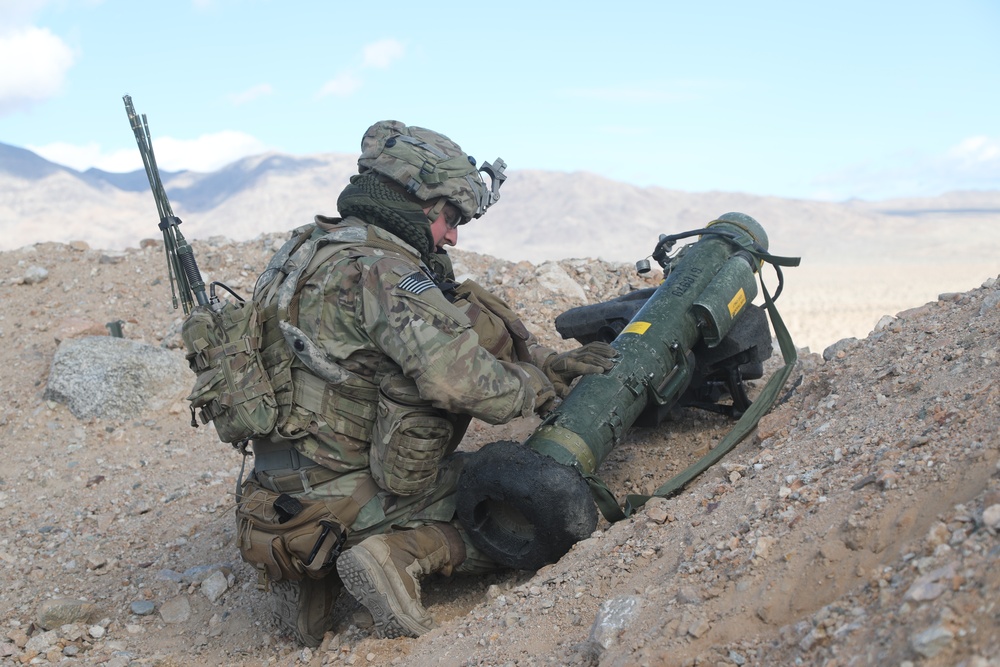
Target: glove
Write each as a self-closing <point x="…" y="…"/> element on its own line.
<point x="562" y="369"/>
<point x="538" y="385"/>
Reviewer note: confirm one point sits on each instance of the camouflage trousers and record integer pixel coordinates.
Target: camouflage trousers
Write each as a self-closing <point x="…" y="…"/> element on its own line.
<point x="385" y="511"/>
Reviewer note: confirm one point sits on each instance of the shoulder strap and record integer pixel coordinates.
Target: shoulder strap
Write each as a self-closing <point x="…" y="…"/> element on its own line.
<point x="297" y="260"/>
<point x="298" y="264"/>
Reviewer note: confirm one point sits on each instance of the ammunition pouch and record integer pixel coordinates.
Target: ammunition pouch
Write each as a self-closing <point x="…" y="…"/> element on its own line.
<point x="499" y="328"/>
<point x="288" y="537"/>
<point x="232" y="389"/>
<point x="410" y="438"/>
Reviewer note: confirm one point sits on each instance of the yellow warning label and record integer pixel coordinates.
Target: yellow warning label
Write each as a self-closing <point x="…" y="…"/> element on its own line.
<point x="636" y="328"/>
<point x="737" y="302"/>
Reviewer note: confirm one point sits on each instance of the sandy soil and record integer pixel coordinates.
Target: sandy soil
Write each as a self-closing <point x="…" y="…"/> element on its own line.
<point x="857" y="526"/>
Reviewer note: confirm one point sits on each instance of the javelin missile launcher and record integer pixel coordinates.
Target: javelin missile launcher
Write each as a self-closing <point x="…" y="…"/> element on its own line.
<point x="526" y="504"/>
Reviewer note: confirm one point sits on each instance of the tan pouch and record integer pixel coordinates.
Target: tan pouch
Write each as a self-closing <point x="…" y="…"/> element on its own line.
<point x="291" y="538"/>
<point x="409" y="439"/>
<point x="499" y="328"/>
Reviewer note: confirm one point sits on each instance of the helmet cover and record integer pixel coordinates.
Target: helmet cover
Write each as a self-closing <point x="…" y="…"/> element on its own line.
<point x="429" y="166"/>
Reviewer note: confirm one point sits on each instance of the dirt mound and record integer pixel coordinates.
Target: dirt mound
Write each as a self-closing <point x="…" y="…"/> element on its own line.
<point x="858" y="526"/>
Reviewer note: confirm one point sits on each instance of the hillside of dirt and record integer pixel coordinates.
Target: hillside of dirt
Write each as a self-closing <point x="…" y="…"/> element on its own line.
<point x="857" y="526"/>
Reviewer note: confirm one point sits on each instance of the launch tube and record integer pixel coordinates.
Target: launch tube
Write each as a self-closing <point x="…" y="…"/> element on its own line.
<point x="703" y="294"/>
<point x="526" y="504"/>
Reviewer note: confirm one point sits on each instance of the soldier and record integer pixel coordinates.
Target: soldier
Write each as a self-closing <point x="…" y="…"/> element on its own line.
<point x="390" y="361"/>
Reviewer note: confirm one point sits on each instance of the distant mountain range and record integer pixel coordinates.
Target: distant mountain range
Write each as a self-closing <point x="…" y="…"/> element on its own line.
<point x="541" y="215"/>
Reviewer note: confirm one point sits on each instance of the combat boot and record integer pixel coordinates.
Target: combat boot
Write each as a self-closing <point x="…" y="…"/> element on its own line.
<point x="383" y="573"/>
<point x="305" y="608"/>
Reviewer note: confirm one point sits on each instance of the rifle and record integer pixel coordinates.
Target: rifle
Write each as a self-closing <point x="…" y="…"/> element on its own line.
<point x="181" y="265"/>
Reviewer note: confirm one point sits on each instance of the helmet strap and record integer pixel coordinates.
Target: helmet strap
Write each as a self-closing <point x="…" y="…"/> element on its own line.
<point x="434" y="211"/>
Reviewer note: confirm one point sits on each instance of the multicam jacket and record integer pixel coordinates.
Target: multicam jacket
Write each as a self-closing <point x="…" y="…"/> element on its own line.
<point x="373" y="311"/>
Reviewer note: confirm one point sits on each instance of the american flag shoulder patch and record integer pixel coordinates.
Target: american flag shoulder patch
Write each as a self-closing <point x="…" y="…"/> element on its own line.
<point x="416" y="283"/>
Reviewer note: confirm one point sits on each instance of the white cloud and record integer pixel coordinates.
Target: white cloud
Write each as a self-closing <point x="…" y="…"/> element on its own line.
<point x="250" y="94"/>
<point x="82" y="157"/>
<point x="42" y="62"/>
<point x="971" y="164"/>
<point x="17" y="12"/>
<point x="382" y="53"/>
<point x="344" y="84"/>
<point x="977" y="151"/>
<point x="376" y="55"/>
<point x="206" y="153"/>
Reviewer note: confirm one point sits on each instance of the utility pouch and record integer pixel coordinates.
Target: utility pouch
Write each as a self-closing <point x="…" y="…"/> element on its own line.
<point x="499" y="328"/>
<point x="410" y="438"/>
<point x="291" y="538"/>
<point x="232" y="389"/>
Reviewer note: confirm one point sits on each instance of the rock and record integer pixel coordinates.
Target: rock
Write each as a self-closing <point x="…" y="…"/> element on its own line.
<point x="19" y="637"/>
<point x="199" y="573"/>
<point x="884" y="322"/>
<point x="922" y="591"/>
<point x="171" y="575"/>
<point x="699" y="628"/>
<point x="930" y="642"/>
<point x="176" y="610"/>
<point x="657" y="514"/>
<point x="114" y="378"/>
<point x="142" y="607"/>
<point x="41" y="642"/>
<point x="937" y="534"/>
<point x="34" y="275"/>
<point x="57" y="612"/>
<point x="927" y="586"/>
<point x="214" y="586"/>
<point x="613" y="618"/>
<point x="554" y="278"/>
<point x="831" y="352"/>
<point x="990" y="302"/>
<point x="991" y="517"/>
<point x="771" y="425"/>
<point x="688" y="595"/>
<point x="763" y="547"/>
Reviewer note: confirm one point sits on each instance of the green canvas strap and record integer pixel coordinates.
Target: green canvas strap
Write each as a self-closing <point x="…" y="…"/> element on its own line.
<point x="603" y="496"/>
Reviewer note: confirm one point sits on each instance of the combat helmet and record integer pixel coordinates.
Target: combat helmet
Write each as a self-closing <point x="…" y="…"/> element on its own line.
<point x="430" y="167"/>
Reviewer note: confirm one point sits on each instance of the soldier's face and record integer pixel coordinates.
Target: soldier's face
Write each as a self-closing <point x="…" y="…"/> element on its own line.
<point x="444" y="229"/>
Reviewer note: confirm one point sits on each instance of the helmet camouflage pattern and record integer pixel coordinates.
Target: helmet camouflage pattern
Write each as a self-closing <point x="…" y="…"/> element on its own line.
<point x="430" y="166"/>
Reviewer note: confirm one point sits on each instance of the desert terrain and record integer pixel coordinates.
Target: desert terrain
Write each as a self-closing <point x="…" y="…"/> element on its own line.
<point x="858" y="525"/>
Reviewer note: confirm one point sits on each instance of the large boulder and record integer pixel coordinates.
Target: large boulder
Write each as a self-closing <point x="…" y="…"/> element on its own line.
<point x="116" y="378"/>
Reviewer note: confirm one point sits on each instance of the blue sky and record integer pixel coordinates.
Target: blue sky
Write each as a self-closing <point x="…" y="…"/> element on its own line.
<point x="793" y="99"/>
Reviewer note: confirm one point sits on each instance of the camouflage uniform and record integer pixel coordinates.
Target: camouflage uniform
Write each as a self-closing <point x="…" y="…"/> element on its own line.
<point x="367" y="344"/>
<point x="377" y="313"/>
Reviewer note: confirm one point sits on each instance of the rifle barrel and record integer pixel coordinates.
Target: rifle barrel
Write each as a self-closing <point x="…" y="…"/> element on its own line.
<point x="181" y="265"/>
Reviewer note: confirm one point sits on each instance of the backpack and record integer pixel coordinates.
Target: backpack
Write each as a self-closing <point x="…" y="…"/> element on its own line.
<point x="233" y="389"/>
<point x="225" y="340"/>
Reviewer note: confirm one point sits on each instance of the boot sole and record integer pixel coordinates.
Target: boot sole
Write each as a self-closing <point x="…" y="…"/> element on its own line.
<point x="287" y="598"/>
<point x="364" y="579"/>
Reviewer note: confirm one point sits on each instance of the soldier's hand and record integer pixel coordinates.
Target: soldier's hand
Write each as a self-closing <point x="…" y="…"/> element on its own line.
<point x="562" y="369"/>
<point x="545" y="393"/>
